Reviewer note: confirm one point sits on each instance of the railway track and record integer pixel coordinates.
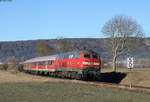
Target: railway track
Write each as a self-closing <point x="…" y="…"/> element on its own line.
<point x="125" y="87"/>
<point x="122" y="85"/>
<point x="103" y="84"/>
<point x="112" y="85"/>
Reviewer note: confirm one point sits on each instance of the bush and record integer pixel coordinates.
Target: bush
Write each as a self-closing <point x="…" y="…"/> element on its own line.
<point x="13" y="64"/>
<point x="4" y="66"/>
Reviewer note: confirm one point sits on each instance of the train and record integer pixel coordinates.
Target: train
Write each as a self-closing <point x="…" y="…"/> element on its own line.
<point x="76" y="65"/>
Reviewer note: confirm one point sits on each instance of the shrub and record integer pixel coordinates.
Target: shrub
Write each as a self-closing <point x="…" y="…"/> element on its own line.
<point x="13" y="64"/>
<point x="4" y="66"/>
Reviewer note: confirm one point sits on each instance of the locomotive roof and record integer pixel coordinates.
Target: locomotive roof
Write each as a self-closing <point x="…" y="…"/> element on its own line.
<point x="53" y="57"/>
<point x="80" y="51"/>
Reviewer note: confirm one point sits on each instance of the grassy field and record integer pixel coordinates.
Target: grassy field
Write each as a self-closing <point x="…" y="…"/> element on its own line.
<point x="126" y="70"/>
<point x="23" y="87"/>
<point x="138" y="76"/>
<point x="65" y="92"/>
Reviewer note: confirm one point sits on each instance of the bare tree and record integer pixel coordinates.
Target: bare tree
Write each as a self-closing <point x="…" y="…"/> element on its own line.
<point x="63" y="45"/>
<point x="122" y="30"/>
<point x="43" y="49"/>
<point x="13" y="64"/>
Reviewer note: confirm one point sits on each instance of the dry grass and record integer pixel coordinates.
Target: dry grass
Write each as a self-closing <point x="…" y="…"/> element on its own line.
<point x="21" y="87"/>
<point x="20" y="77"/>
<point x="126" y="70"/>
<point x="138" y="76"/>
<point x="141" y="77"/>
<point x="65" y="92"/>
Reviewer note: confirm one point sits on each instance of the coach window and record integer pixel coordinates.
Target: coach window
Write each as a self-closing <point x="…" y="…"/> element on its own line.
<point x="41" y="63"/>
<point x="76" y="56"/>
<point x="61" y="57"/>
<point x="34" y="64"/>
<point x="50" y="63"/>
<point x="66" y="56"/>
<point x="86" y="56"/>
<point x="25" y="65"/>
<point x="71" y="56"/>
<point x="29" y="64"/>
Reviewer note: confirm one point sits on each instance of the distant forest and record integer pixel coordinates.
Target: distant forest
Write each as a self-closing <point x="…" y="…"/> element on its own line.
<point x="27" y="49"/>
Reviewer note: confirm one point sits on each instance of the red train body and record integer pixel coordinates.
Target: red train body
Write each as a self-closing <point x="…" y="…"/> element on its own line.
<point x="73" y="64"/>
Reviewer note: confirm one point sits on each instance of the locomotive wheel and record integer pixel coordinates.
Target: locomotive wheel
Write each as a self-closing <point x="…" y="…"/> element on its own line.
<point x="73" y="74"/>
<point x="26" y="71"/>
<point x="84" y="76"/>
<point x="38" y="72"/>
<point x="78" y="76"/>
<point x="98" y="78"/>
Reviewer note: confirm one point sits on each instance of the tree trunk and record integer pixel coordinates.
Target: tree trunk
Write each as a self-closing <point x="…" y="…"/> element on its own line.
<point x="114" y="63"/>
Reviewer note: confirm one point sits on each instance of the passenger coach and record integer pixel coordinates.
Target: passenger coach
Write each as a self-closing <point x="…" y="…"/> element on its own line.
<point x="77" y="64"/>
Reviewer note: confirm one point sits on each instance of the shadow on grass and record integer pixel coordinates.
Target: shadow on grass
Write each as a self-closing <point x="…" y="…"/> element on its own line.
<point x="112" y="77"/>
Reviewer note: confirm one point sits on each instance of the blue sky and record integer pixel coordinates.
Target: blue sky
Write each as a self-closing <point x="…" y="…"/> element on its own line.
<point x="49" y="19"/>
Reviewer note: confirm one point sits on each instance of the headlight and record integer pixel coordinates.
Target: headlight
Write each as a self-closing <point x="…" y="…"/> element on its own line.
<point x="96" y="63"/>
<point x="86" y="63"/>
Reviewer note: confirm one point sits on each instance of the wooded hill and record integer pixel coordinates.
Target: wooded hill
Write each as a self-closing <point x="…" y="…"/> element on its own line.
<point x="27" y="49"/>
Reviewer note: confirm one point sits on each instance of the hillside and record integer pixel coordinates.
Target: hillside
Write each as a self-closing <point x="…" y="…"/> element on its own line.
<point x="26" y="49"/>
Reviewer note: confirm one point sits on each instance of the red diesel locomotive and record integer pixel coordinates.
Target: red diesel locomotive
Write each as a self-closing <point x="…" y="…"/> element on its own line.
<point x="76" y="65"/>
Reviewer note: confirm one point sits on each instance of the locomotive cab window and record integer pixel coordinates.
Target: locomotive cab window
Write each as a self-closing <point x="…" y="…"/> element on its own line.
<point x="95" y="56"/>
<point x="86" y="55"/>
<point x="76" y="56"/>
<point x="66" y="56"/>
<point x="71" y="56"/>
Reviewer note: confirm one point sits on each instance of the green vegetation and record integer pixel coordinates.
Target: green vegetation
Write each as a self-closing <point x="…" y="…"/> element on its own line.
<point x="65" y="92"/>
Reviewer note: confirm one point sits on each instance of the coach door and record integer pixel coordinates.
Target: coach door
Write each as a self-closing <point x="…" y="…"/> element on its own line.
<point x="74" y="60"/>
<point x="50" y="65"/>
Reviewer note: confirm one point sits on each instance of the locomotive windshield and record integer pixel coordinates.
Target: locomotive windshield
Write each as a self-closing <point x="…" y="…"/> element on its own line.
<point x="95" y="56"/>
<point x="91" y="56"/>
<point x="87" y="56"/>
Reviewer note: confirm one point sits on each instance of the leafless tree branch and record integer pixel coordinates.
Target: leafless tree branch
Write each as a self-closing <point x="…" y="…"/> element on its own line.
<point x="120" y="29"/>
